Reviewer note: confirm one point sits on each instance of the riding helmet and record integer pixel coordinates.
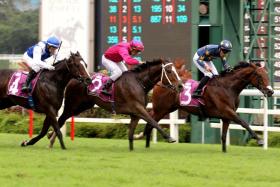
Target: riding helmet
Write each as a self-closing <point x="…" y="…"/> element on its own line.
<point x="137" y="44"/>
<point x="226" y="45"/>
<point x="53" y="41"/>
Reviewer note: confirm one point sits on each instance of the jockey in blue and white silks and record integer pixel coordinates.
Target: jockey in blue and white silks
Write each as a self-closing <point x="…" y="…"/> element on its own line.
<point x="35" y="56"/>
<point x="203" y="61"/>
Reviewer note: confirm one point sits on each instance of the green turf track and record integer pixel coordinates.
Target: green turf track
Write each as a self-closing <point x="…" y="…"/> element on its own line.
<point x="103" y="162"/>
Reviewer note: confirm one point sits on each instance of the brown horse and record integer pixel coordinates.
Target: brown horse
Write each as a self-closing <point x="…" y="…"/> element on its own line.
<point x="48" y="92"/>
<point x="130" y="95"/>
<point x="221" y="98"/>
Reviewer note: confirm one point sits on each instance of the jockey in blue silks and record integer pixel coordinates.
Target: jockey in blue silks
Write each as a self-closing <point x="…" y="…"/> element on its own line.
<point x="35" y="56"/>
<point x="203" y="61"/>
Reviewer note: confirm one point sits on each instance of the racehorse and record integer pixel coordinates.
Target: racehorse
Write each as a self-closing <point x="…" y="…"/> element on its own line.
<point x="221" y="98"/>
<point x="48" y="92"/>
<point x="130" y="95"/>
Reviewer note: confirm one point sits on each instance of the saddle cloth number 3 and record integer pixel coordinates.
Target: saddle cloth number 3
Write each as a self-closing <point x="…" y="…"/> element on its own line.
<point x="187" y="94"/>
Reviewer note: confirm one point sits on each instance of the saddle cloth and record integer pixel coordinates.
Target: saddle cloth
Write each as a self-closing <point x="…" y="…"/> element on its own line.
<point x="95" y="88"/>
<point x="186" y="95"/>
<point x="16" y="82"/>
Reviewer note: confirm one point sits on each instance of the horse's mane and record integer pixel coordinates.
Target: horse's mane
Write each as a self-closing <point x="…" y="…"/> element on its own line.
<point x="72" y="55"/>
<point x="240" y="65"/>
<point x="141" y="67"/>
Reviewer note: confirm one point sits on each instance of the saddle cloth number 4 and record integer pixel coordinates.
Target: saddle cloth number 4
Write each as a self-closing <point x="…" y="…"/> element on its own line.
<point x="14" y="87"/>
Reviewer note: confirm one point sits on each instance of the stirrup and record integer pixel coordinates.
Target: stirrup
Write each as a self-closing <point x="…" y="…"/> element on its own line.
<point x="196" y="95"/>
<point x="105" y="92"/>
<point x="25" y="89"/>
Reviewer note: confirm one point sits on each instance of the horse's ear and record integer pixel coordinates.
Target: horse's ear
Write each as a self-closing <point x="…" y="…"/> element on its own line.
<point x="183" y="67"/>
<point x="262" y="64"/>
<point x="78" y="53"/>
<point x="71" y="53"/>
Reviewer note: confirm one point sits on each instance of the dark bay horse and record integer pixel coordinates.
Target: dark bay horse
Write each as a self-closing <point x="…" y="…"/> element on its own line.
<point x="130" y="95"/>
<point x="48" y="92"/>
<point x="221" y="98"/>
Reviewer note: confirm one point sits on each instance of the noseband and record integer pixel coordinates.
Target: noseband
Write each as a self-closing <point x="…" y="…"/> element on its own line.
<point x="164" y="74"/>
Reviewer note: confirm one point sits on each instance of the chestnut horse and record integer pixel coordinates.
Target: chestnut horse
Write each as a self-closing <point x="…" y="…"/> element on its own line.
<point x="48" y="92"/>
<point x="221" y="98"/>
<point x="130" y="95"/>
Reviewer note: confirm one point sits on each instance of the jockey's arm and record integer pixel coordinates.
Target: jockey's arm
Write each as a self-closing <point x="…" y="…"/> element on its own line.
<point x="127" y="58"/>
<point x="225" y="63"/>
<point x="37" y="53"/>
<point x="201" y="62"/>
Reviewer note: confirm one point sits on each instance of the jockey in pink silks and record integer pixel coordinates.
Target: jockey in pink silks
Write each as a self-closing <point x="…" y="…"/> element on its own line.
<point x="116" y="56"/>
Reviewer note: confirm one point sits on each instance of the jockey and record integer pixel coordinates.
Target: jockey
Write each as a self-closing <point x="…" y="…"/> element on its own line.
<point x="116" y="56"/>
<point x="35" y="56"/>
<point x="203" y="61"/>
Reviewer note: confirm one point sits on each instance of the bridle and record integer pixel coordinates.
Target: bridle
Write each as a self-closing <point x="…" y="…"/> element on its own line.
<point x="164" y="74"/>
<point x="258" y="78"/>
<point x="79" y="77"/>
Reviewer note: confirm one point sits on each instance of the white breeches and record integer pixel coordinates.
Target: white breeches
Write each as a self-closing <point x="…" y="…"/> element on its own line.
<point x="203" y="70"/>
<point x="116" y="69"/>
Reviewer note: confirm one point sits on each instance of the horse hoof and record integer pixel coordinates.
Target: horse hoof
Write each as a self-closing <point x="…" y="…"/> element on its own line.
<point x="49" y="135"/>
<point x="171" y="140"/>
<point x="260" y="142"/>
<point x="24" y="143"/>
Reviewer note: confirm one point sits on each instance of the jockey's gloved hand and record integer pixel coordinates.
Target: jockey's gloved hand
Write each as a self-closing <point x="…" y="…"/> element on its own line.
<point x="229" y="69"/>
<point x="49" y="67"/>
<point x="141" y="62"/>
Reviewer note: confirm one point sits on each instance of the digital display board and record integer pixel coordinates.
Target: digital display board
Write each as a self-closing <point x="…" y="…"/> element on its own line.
<point x="164" y="26"/>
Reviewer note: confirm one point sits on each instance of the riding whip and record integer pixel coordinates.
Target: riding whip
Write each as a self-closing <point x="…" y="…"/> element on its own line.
<point x="57" y="52"/>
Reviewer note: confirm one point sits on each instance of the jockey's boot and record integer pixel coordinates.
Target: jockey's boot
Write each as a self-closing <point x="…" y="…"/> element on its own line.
<point x="31" y="75"/>
<point x="106" y="87"/>
<point x="197" y="92"/>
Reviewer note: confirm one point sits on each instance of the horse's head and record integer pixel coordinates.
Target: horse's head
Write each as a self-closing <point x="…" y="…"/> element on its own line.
<point x="259" y="79"/>
<point x="169" y="76"/>
<point x="78" y="68"/>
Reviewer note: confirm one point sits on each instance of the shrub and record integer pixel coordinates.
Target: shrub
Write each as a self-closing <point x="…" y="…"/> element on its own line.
<point x="15" y="122"/>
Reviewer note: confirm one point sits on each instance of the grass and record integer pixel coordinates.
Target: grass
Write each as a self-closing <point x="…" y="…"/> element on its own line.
<point x="104" y="162"/>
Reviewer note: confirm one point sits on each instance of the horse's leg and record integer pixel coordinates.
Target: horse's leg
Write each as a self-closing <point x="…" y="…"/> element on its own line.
<point x="133" y="123"/>
<point x="6" y="103"/>
<point x="67" y="113"/>
<point x="51" y="114"/>
<point x="148" y="129"/>
<point x="43" y="132"/>
<point x="245" y="125"/>
<point x="142" y="113"/>
<point x="61" y="121"/>
<point x="224" y="134"/>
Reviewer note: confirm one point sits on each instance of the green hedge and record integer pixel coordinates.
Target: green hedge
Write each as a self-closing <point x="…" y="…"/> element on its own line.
<point x="12" y="121"/>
